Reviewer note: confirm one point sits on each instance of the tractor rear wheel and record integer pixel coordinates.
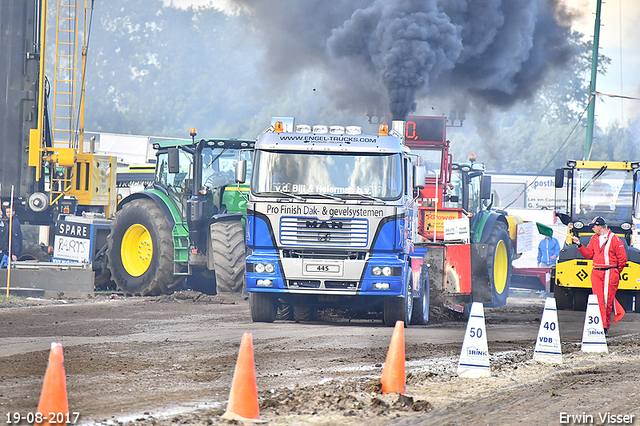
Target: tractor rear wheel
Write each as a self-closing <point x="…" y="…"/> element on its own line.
<point x="284" y="310"/>
<point x="140" y="250"/>
<point x="305" y="313"/>
<point x="229" y="254"/>
<point x="499" y="265"/>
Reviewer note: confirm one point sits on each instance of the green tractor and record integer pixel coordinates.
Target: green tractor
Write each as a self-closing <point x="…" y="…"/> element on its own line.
<point x="187" y="229"/>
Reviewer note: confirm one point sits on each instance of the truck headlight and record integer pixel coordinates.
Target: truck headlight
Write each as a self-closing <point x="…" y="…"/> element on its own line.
<point x="386" y="271"/>
<point x="261" y="268"/>
<point x="381" y="286"/>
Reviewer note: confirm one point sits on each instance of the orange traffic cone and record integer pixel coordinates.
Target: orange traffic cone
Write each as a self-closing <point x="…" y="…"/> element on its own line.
<point x="393" y="374"/>
<point x="54" y="390"/>
<point x="243" y="398"/>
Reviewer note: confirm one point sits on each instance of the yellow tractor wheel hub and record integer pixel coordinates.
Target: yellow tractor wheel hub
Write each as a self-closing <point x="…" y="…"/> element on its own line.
<point x="500" y="267"/>
<point x="136" y="250"/>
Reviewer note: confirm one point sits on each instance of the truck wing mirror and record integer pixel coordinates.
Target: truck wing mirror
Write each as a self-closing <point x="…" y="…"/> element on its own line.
<point x="173" y="155"/>
<point x="241" y="171"/>
<point x="485" y="188"/>
<point x="419" y="176"/>
<point x="559" y="178"/>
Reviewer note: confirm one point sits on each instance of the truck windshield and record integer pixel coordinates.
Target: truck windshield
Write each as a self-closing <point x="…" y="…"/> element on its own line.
<point x="603" y="192"/>
<point x="327" y="173"/>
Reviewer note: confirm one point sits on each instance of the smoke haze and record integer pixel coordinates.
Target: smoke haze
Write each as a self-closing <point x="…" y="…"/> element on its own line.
<point x="391" y="53"/>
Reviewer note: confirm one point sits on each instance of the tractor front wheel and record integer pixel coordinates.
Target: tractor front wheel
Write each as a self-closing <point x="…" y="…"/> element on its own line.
<point x="499" y="265"/>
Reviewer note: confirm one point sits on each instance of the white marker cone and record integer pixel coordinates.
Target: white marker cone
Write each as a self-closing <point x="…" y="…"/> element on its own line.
<point x="474" y="357"/>
<point x="593" y="338"/>
<point x="548" y="347"/>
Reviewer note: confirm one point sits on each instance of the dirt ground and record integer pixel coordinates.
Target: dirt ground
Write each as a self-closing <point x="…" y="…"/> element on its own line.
<point x="170" y="360"/>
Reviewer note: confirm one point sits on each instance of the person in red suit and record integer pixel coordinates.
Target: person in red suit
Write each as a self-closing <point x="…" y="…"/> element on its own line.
<point x="609" y="259"/>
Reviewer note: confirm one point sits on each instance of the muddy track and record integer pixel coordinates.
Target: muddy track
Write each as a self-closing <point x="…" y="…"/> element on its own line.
<point x="170" y="359"/>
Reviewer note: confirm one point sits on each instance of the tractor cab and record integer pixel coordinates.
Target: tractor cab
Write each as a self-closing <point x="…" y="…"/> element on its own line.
<point x="215" y="160"/>
<point x="595" y="188"/>
<point x="452" y="190"/>
<point x="196" y="176"/>
<point x="598" y="188"/>
<point x="468" y="189"/>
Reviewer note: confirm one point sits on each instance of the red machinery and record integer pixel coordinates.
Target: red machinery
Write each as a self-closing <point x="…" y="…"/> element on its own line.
<point x="469" y="258"/>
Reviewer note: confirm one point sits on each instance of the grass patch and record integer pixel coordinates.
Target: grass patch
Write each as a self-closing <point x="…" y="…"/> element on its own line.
<point x="11" y="298"/>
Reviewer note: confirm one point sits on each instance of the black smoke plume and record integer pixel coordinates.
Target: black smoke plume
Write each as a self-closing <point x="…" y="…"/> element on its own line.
<point x="396" y="52"/>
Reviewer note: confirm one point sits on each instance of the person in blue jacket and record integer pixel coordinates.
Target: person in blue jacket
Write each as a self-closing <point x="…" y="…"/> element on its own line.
<point x="548" y="251"/>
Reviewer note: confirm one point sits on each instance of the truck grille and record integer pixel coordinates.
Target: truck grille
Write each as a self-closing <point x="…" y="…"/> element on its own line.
<point x="304" y="284"/>
<point x="323" y="254"/>
<point x="328" y="285"/>
<point x="334" y="232"/>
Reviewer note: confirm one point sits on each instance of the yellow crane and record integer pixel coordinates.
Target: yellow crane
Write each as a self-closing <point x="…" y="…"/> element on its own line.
<point x="72" y="170"/>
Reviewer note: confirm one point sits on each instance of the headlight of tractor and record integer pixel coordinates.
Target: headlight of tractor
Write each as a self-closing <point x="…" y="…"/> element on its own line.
<point x="376" y="270"/>
<point x="259" y="268"/>
<point x="386" y="271"/>
<point x="269" y="268"/>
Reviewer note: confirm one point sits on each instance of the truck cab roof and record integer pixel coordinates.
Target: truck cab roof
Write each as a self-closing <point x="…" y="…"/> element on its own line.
<point x="367" y="143"/>
<point x="216" y="142"/>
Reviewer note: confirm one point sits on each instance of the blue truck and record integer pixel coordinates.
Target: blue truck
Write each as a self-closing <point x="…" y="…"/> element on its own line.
<point x="331" y="222"/>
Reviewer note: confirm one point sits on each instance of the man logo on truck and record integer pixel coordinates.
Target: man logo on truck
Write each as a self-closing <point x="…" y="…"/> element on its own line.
<point x="323" y="225"/>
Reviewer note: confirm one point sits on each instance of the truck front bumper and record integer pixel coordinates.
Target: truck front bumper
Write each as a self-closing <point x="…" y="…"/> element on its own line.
<point x="326" y="276"/>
